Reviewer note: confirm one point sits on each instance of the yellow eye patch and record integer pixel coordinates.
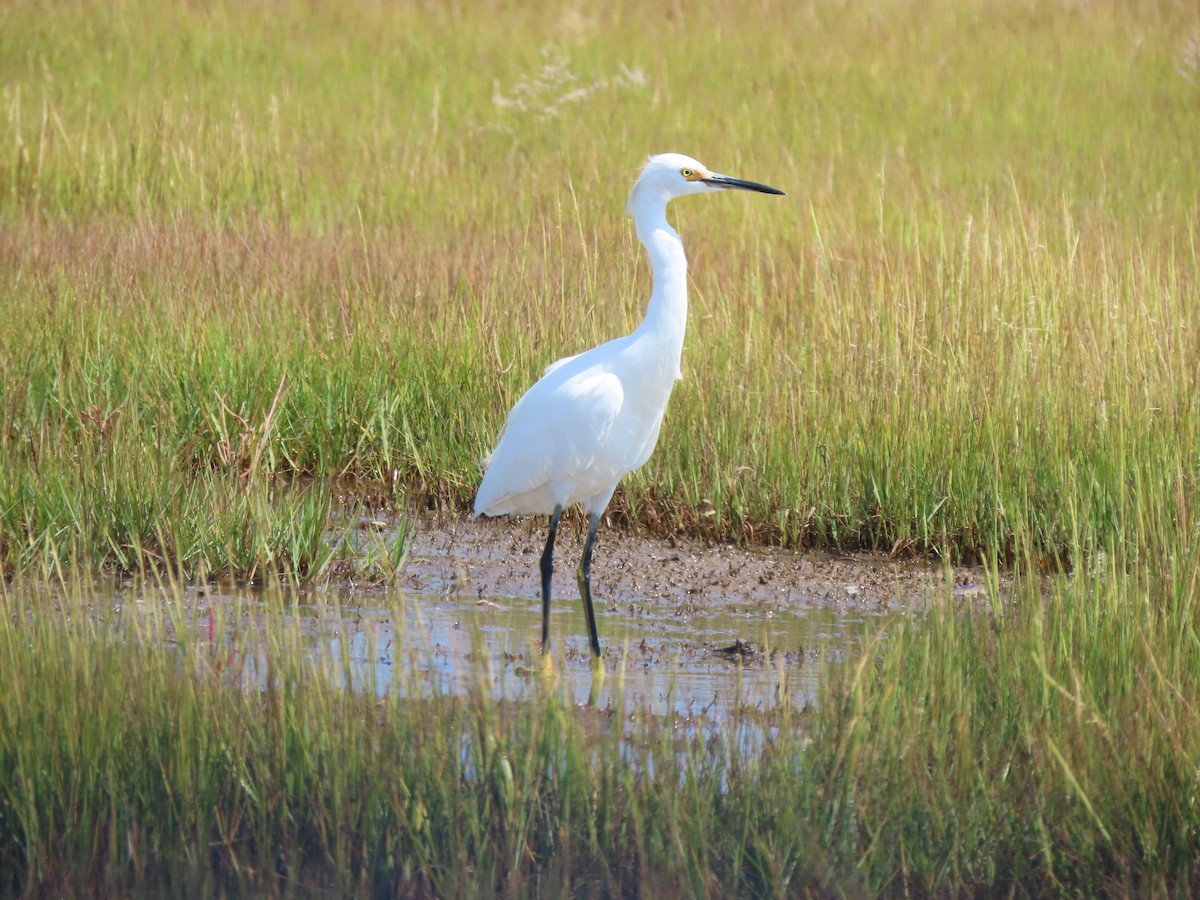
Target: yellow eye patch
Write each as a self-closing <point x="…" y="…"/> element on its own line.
<point x="692" y="174"/>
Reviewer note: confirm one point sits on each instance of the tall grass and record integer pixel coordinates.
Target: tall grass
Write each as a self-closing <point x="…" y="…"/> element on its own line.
<point x="973" y="310"/>
<point x="1047" y="747"/>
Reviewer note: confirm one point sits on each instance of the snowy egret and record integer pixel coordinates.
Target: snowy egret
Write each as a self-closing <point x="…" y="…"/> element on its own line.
<point x="593" y="418"/>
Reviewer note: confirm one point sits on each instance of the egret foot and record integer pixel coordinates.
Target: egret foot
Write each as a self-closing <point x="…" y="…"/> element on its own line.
<point x="597" y="681"/>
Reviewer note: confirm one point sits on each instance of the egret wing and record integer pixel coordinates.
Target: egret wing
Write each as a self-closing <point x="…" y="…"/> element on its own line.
<point x="549" y="441"/>
<point x="558" y="364"/>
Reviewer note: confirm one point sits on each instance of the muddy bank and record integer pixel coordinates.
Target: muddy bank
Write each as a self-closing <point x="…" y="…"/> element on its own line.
<point x="633" y="573"/>
<point x="692" y="625"/>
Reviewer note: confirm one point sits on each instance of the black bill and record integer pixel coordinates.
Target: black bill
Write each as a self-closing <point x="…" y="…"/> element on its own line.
<point x="724" y="181"/>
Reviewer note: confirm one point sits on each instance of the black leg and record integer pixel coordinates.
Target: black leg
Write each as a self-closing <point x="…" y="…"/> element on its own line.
<point x="547" y="572"/>
<point x="585" y="582"/>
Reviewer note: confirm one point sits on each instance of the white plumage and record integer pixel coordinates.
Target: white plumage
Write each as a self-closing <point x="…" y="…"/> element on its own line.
<point x="593" y="418"/>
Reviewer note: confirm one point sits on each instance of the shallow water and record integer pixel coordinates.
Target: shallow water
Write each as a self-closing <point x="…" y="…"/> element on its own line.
<point x="687" y="629"/>
<point x="712" y="662"/>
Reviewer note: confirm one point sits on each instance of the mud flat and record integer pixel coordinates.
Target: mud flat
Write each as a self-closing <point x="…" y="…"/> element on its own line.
<point x="692" y="626"/>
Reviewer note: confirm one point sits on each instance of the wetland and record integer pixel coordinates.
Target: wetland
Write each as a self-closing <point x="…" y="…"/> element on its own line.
<point x="903" y="604"/>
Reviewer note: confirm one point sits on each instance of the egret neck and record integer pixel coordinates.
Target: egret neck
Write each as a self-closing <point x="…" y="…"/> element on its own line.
<point x="666" y="313"/>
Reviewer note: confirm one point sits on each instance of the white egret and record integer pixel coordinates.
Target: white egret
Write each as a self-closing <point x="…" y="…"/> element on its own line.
<point x="593" y="418"/>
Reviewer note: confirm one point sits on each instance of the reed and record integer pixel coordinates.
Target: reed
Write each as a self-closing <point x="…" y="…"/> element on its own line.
<point x="972" y="314"/>
<point x="1049" y="741"/>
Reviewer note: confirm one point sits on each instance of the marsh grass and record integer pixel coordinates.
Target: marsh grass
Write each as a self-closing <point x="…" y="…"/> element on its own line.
<point x="973" y="313"/>
<point x="322" y="245"/>
<point x="1044" y="743"/>
<point x="147" y="515"/>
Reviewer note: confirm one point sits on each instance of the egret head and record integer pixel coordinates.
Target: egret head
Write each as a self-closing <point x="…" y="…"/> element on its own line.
<point x="670" y="175"/>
